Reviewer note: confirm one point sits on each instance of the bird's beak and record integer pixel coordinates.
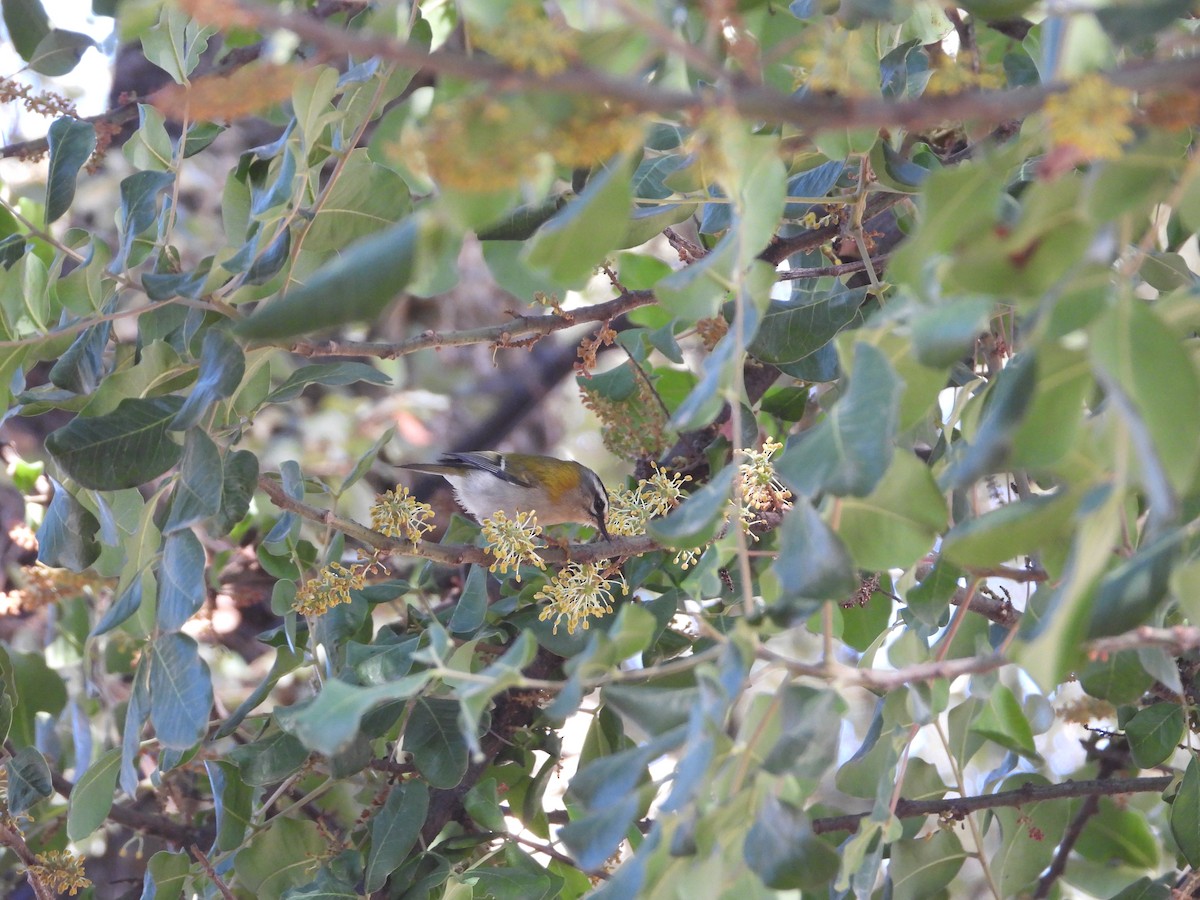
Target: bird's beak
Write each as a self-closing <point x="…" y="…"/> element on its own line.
<point x="603" y="530"/>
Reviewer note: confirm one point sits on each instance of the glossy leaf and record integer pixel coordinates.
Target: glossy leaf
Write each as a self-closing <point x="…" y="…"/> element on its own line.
<point x="197" y="493"/>
<point x="71" y="143"/>
<point x="67" y="536"/>
<point x="180" y="691"/>
<point x="812" y="562"/>
<point x="92" y="797"/>
<point x="222" y="366"/>
<point x="1154" y="733"/>
<point x="28" y="779"/>
<point x="60" y="51"/>
<point x="783" y="851"/>
<point x="182" y="590"/>
<point x="331" y="721"/>
<point x="27" y="23"/>
<point x="849" y="451"/>
<point x="898" y="521"/>
<point x="1185" y="813"/>
<point x="364" y="279"/>
<point x="589" y="227"/>
<point x="394" y="831"/>
<point x="433" y="739"/>
<point x="1144" y="359"/>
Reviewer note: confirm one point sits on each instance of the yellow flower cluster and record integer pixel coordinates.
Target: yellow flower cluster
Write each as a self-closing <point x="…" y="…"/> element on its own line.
<point x="512" y="541"/>
<point x="630" y="510"/>
<point x="762" y="491"/>
<point x="472" y="144"/>
<point x="398" y="514"/>
<point x="61" y="871"/>
<point x="577" y="592"/>
<point x="331" y="587"/>
<point x="954" y="75"/>
<point x="596" y="130"/>
<point x="1091" y="118"/>
<point x="42" y="585"/>
<point x="528" y="40"/>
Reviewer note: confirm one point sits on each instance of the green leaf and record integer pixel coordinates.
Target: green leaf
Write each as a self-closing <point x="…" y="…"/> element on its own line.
<point x="812" y="563"/>
<point x="222" y="367"/>
<point x="432" y="737"/>
<point x="947" y="333"/>
<point x="354" y="287"/>
<point x="471" y="608"/>
<point x="696" y="520"/>
<point x="394" y="831"/>
<point x="27" y="24"/>
<point x="28" y="779"/>
<point x="125" y="605"/>
<point x="783" y="851"/>
<point x="1029" y="833"/>
<point x="1120" y="834"/>
<point x="1154" y="734"/>
<point x="176" y="43"/>
<point x="270" y="759"/>
<point x="1003" y="721"/>
<point x="924" y="867"/>
<point x="849" y="451"/>
<point x="180" y="691"/>
<point x="366" y="198"/>
<point x="166" y="875"/>
<point x="808" y="732"/>
<point x="67" y="535"/>
<point x="792" y="331"/>
<point x="198" y="490"/>
<point x="331" y="721"/>
<point x="896" y="523"/>
<point x="579" y="236"/>
<point x="1144" y="359"/>
<point x="182" y="589"/>
<point x="1009" y="531"/>
<point x="1004" y="407"/>
<point x="59" y="52"/>
<point x="139" y="210"/>
<point x="1185" y="813"/>
<point x="697" y="290"/>
<point x="71" y="142"/>
<point x="232" y="801"/>
<point x="328" y="374"/>
<point x="92" y="796"/>
<point x="1118" y="678"/>
<point x="237" y="490"/>
<point x="279" y="856"/>
<point x="81" y="368"/>
<point x="122" y="449"/>
<point x="1129" y="594"/>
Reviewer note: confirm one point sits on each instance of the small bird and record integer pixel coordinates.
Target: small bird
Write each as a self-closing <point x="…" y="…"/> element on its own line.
<point x="558" y="490"/>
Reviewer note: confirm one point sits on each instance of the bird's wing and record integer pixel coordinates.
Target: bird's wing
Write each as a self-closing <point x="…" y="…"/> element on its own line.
<point x="486" y="461"/>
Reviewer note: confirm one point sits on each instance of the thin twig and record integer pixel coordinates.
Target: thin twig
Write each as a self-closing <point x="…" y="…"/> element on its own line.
<point x="212" y="873"/>
<point x="958" y="807"/>
<point x="519" y="326"/>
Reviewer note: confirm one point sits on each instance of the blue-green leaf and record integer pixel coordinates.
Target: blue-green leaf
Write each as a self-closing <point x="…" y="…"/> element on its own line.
<point x="67" y="536"/>
<point x="180" y="691"/>
<point x="222" y="365"/>
<point x="122" y="449"/>
<point x="71" y="142"/>
<point x="182" y="590"/>
<point x="394" y="831"/>
<point x="198" y="491"/>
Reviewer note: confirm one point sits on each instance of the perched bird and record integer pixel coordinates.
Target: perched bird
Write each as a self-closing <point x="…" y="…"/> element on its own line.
<point x="558" y="490"/>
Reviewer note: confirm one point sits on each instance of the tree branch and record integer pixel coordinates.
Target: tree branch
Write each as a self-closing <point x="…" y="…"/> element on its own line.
<point x="960" y="807"/>
<point x="500" y="335"/>
<point x="812" y="112"/>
